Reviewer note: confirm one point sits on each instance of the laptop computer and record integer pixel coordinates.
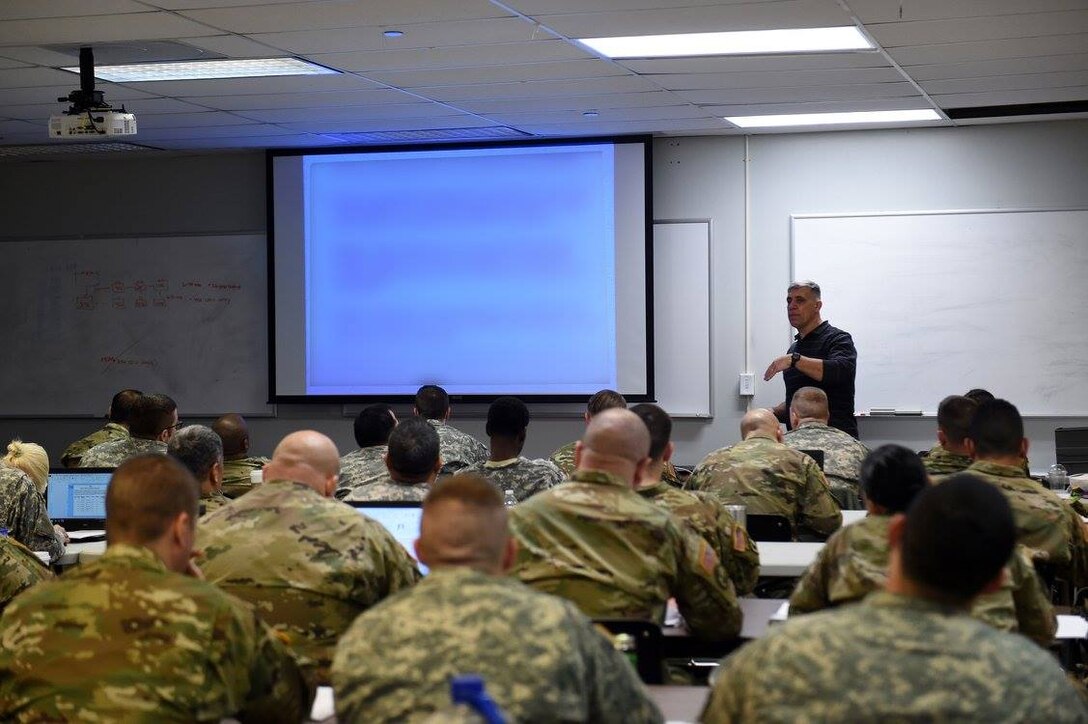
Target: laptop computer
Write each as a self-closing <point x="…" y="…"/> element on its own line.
<point x="76" y="498"/>
<point x="399" y="518"/>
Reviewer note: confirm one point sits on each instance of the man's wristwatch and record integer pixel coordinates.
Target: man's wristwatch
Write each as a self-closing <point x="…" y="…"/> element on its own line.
<point x="793" y="359"/>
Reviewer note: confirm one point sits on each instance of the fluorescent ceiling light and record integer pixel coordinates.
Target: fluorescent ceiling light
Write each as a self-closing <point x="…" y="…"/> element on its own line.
<point x="740" y="42"/>
<point x="203" y="69"/>
<point x="833" y="119"/>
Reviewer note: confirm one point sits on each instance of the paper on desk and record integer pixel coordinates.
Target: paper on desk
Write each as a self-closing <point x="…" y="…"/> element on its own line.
<point x="1072" y="627"/>
<point x="324" y="705"/>
<point x="782" y="614"/>
<point x="81" y="534"/>
<point x="42" y="556"/>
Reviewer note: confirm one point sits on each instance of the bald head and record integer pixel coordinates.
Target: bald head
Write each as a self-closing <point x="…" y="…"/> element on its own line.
<point x="306" y="457"/>
<point x="617" y="442"/>
<point x="759" y="422"/>
<point x="234" y="433"/>
<point x="464" y="524"/>
<point x="809" y="403"/>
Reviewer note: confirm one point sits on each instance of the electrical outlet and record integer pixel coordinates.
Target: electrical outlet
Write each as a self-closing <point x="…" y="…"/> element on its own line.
<point x="747" y="384"/>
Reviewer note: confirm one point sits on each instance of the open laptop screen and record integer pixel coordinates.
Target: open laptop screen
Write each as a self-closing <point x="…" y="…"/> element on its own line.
<point x="77" y="498"/>
<point x="400" y="519"/>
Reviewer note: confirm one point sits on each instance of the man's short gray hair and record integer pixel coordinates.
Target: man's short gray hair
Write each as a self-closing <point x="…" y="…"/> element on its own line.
<point x="198" y="448"/>
<point x="805" y="284"/>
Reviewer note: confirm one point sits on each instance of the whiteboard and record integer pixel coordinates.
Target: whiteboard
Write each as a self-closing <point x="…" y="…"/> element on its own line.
<point x="682" y="318"/>
<point x="941" y="302"/>
<point x="186" y="316"/>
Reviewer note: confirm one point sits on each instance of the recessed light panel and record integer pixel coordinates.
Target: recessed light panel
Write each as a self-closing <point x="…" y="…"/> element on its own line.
<point x="834" y="119"/>
<point x="206" y="69"/>
<point x="740" y="42"/>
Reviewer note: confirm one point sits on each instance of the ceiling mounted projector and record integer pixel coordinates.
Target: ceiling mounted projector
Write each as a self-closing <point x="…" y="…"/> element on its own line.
<point x="90" y="116"/>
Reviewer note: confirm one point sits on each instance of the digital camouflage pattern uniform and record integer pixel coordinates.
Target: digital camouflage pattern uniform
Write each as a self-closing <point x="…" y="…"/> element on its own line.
<point x="737" y="552"/>
<point x="19" y="569"/>
<point x="939" y="461"/>
<point x="564" y="460"/>
<point x="854" y="563"/>
<point x="596" y="542"/>
<point x="23" y="513"/>
<point x="236" y="475"/>
<point x="74" y="452"/>
<point x="362" y="467"/>
<point x="213" y="501"/>
<point x="457" y="449"/>
<point x="523" y="476"/>
<point x="540" y="658"/>
<point x="770" y="478"/>
<point x="842" y="459"/>
<point x="112" y="453"/>
<point x="124" y="639"/>
<point x="388" y="490"/>
<point x="891" y="658"/>
<point x="308" y="564"/>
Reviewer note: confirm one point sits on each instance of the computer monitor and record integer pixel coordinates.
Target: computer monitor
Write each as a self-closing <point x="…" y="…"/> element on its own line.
<point x="399" y="518"/>
<point x="76" y="498"/>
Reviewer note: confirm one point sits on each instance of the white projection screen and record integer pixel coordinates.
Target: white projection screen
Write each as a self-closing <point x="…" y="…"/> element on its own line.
<point x="489" y="269"/>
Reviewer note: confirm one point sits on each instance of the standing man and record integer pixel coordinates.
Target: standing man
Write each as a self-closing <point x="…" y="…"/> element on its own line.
<point x="821" y="356"/>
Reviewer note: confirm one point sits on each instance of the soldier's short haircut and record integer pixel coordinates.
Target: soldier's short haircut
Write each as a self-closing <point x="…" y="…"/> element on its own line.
<point x="954" y="416"/>
<point x="810" y="402"/>
<point x="231" y="429"/>
<point x="477" y="533"/>
<point x="507" y="417"/>
<point x="151" y="414"/>
<point x="659" y="424"/>
<point x="467" y="488"/>
<point x="196" y="447"/>
<point x="604" y="400"/>
<point x="979" y="395"/>
<point x="958" y="536"/>
<point x="432" y="402"/>
<point x="145" y="495"/>
<point x="373" y="425"/>
<point x="892" y="476"/>
<point x="413" y="447"/>
<point x="997" y="429"/>
<point x="805" y="284"/>
<point x="121" y="405"/>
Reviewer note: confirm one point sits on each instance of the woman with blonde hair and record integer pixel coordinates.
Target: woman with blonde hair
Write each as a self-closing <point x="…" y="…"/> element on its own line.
<point x="32" y="459"/>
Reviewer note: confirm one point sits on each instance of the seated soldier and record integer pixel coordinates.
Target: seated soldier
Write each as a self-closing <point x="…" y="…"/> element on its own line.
<point x="949" y="455"/>
<point x="135" y="635"/>
<point x="539" y="657"/>
<point x="458" y="449"/>
<point x="507" y="423"/>
<point x="412" y="464"/>
<point x="200" y="450"/>
<point x="309" y="563"/>
<point x="23" y="514"/>
<point x="32" y="459"/>
<point x="151" y="424"/>
<point x="598" y="543"/>
<point x="115" y="429"/>
<point x="366" y="465"/>
<point x="769" y="478"/>
<point x="238" y="464"/>
<point x="709" y="518"/>
<point x="19" y="570"/>
<point x="855" y="560"/>
<point x="843" y="453"/>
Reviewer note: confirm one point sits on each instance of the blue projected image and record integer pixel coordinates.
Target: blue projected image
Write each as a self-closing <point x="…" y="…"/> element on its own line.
<point x="483" y="270"/>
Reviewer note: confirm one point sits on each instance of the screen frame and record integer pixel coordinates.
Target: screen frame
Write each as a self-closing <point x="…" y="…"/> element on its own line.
<point x="272" y="154"/>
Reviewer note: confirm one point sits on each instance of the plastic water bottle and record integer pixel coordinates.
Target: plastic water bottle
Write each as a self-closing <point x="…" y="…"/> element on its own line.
<point x="469" y="690"/>
<point x="508" y="498"/>
<point x="5" y="532"/>
<point x="1057" y="477"/>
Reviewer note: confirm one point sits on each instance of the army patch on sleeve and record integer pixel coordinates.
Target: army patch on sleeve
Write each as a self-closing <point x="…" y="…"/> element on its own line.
<point x="740" y="539"/>
<point x="707" y="558"/>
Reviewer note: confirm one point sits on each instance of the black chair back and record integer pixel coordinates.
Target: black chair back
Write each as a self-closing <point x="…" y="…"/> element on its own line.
<point x="817" y="455"/>
<point x="775" y="528"/>
<point x="648" y="646"/>
<point x="1071" y="446"/>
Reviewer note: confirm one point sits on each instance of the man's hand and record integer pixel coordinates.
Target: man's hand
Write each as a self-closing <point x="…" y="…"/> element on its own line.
<point x="779" y="365"/>
<point x="62" y="534"/>
<point x="194" y="570"/>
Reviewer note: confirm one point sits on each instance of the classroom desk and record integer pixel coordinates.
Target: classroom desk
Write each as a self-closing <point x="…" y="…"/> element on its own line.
<point x="678" y="643"/>
<point x="786" y="560"/>
<point x="853" y="516"/>
<point x="77" y="552"/>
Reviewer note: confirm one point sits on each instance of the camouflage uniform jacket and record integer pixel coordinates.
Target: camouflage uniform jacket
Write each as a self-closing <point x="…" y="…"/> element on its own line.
<point x="842" y="459"/>
<point x="362" y="467"/>
<point x="598" y="543"/>
<point x="564" y="460"/>
<point x="387" y="489"/>
<point x="737" y="552"/>
<point x="457" y="448"/>
<point x="523" y="476"/>
<point x="854" y="563"/>
<point x="124" y="639"/>
<point x="112" y="453"/>
<point x="1044" y="522"/>
<point x="213" y="501"/>
<point x="236" y="475"/>
<point x="540" y="658"/>
<point x="22" y="512"/>
<point x="891" y="658"/>
<point x="74" y="452"/>
<point x="309" y="564"/>
<point x="939" y="461"/>
<point x="770" y="479"/>
<point x="19" y="569"/>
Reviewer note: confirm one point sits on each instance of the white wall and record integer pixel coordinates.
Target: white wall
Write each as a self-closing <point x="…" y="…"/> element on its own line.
<point x="1011" y="166"/>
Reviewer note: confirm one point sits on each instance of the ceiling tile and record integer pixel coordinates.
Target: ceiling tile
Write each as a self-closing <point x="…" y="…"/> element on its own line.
<point x="329" y="99"/>
<point x="30" y="96"/>
<point x="190" y="120"/>
<point x="1012" y="97"/>
<point x="36" y="77"/>
<point x="1007" y="82"/>
<point x="1003" y="66"/>
<point x="350" y="113"/>
<point x="244" y="86"/>
<point x="25" y="9"/>
<point x="1028" y="25"/>
<point x="460" y="56"/>
<point x="568" y="103"/>
<point x="392" y="124"/>
<point x="606" y="115"/>
<point x="146" y="106"/>
<point x="199" y="4"/>
<point x="769" y="109"/>
<point x="544" y="88"/>
<point x="989" y="50"/>
<point x="594" y="127"/>
<point x="150" y="134"/>
<point x="567" y="70"/>
<point x="543" y="8"/>
<point x="211" y="144"/>
<point x="6" y="63"/>
<point x="102" y="28"/>
<point x="791" y="95"/>
<point x="329" y="15"/>
<point x="745" y="63"/>
<point x="885" y="11"/>
<point x="779" y="79"/>
<point x="234" y="46"/>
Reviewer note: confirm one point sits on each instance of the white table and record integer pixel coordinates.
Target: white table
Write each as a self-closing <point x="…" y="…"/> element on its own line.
<point x="853" y="516"/>
<point x="786" y="560"/>
<point x="75" y="552"/>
